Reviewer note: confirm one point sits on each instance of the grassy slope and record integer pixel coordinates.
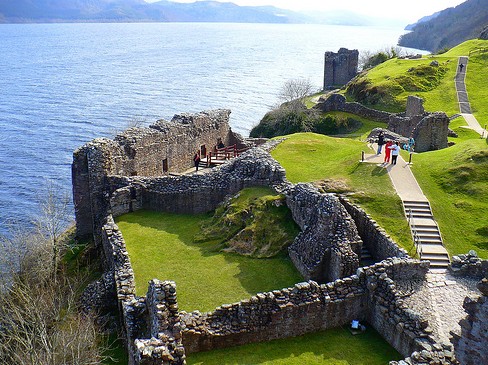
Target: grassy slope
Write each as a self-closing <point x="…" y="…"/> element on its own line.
<point x="333" y="347"/>
<point x="456" y="185"/>
<point x="309" y="157"/>
<point x="161" y="246"/>
<point x="461" y="215"/>
<point x="443" y="97"/>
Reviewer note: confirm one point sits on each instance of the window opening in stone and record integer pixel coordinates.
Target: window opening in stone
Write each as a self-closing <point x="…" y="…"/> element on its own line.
<point x="165" y="165"/>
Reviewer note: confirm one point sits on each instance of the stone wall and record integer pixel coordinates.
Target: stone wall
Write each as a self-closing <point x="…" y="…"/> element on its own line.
<point x="469" y="265"/>
<point x="328" y="246"/>
<point x="161" y="148"/>
<point x="192" y="194"/>
<point x="307" y="307"/>
<point x="415" y="106"/>
<point x="429" y="130"/>
<point x="340" y="67"/>
<point x="337" y="102"/>
<point x="379" y="244"/>
<point x="403" y="328"/>
<point x="326" y="249"/>
<point x="157" y="333"/>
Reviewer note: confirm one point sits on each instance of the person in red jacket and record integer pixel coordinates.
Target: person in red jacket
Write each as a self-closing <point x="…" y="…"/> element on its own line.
<point x="387" y="151"/>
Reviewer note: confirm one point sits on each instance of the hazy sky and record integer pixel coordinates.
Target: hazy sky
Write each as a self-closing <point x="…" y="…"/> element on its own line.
<point x="410" y="10"/>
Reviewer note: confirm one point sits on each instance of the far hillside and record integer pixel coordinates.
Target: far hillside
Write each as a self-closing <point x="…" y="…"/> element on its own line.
<point x="450" y="27"/>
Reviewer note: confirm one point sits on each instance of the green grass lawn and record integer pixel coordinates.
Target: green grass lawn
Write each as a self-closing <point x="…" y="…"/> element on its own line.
<point x="161" y="245"/>
<point x="309" y="157"/>
<point x="332" y="347"/>
<point x="455" y="180"/>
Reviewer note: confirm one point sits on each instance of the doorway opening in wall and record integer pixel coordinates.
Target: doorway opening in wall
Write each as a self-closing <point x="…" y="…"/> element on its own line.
<point x="165" y="165"/>
<point x="203" y="150"/>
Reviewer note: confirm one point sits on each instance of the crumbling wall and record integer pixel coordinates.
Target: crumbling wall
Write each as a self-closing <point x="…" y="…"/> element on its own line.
<point x="379" y="244"/>
<point x="337" y="102"/>
<point x="403" y="328"/>
<point x="328" y="246"/>
<point x="471" y="347"/>
<point x="306" y="307"/>
<point x="429" y="130"/>
<point x="340" y="67"/>
<point x="154" y="151"/>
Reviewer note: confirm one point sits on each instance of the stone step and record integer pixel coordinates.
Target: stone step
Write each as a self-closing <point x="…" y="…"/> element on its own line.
<point x="439" y="264"/>
<point x="429" y="238"/>
<point x="420" y="215"/>
<point x="411" y="203"/>
<point x="410" y="212"/>
<point x="434" y="256"/>
<point x="431" y="241"/>
<point x="433" y="248"/>
<point x="421" y="228"/>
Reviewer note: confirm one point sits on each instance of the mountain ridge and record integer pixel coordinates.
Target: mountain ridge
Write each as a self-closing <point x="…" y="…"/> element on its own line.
<point x="449" y="28"/>
<point x="56" y="11"/>
<point x="52" y="11"/>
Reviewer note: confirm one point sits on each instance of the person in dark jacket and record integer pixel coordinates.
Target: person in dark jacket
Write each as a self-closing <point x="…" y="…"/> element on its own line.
<point x="381" y="142"/>
<point x="196" y="160"/>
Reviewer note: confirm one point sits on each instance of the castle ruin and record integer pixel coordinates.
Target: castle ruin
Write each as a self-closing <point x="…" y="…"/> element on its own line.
<point x="340" y="67"/>
<point x="114" y="177"/>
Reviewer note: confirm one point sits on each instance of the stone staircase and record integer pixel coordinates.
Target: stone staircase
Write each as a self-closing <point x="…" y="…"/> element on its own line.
<point x="366" y="258"/>
<point x="426" y="234"/>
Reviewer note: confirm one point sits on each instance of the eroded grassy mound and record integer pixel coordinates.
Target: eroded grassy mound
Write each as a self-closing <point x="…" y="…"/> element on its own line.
<point x="256" y="222"/>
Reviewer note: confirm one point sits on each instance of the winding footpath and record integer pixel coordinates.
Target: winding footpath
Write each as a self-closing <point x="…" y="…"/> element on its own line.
<point x="463" y="100"/>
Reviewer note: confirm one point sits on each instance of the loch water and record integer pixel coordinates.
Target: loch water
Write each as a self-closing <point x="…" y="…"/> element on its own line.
<point x="62" y="85"/>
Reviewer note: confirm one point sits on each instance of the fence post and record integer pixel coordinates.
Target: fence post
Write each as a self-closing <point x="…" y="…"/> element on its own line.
<point x="410" y="158"/>
<point x="362" y="156"/>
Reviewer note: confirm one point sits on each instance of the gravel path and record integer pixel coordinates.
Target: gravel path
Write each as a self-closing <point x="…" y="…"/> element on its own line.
<point x="440" y="300"/>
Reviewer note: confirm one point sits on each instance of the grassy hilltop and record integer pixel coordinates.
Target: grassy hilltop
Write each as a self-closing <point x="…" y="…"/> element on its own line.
<point x="387" y="86"/>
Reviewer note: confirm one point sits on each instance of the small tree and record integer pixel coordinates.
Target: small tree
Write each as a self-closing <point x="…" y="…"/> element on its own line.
<point x="294" y="92"/>
<point x="52" y="219"/>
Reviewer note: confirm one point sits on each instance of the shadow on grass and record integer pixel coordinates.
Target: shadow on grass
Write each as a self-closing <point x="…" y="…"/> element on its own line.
<point x="335" y="346"/>
<point x="379" y="170"/>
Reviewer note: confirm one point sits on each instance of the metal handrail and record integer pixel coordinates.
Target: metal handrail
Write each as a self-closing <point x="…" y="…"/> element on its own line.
<point x="415" y="236"/>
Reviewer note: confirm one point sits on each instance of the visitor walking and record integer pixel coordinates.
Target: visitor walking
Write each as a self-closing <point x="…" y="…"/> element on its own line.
<point x="196" y="160"/>
<point x="461" y="66"/>
<point x="411" y="143"/>
<point x="387" y="151"/>
<point x="395" y="151"/>
<point x="381" y="142"/>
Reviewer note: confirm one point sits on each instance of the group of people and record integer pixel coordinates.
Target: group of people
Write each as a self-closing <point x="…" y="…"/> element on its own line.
<point x="197" y="157"/>
<point x="392" y="149"/>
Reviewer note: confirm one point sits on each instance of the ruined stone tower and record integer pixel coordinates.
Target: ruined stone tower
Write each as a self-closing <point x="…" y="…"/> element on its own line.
<point x="340" y="67"/>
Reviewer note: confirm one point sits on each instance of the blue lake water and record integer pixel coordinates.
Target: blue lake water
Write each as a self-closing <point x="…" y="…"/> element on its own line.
<point x="62" y="85"/>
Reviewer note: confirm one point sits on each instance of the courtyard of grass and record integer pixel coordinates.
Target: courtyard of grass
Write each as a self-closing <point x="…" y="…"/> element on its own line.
<point x="333" y="347"/>
<point x="162" y="246"/>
